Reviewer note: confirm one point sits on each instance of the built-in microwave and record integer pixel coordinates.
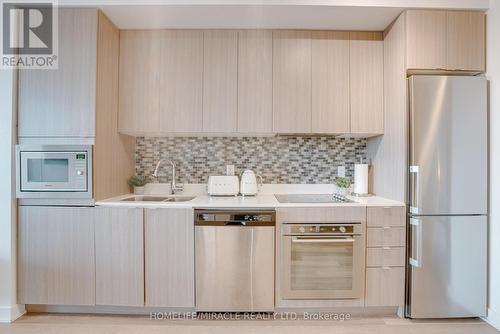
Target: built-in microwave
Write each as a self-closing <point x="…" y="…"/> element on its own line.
<point x="54" y="172"/>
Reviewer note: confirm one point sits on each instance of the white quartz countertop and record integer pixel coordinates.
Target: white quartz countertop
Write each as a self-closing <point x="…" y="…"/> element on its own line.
<point x="264" y="201"/>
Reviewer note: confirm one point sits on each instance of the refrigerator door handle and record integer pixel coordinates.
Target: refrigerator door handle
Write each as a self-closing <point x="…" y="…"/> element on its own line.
<point x="416" y="257"/>
<point x="415" y="189"/>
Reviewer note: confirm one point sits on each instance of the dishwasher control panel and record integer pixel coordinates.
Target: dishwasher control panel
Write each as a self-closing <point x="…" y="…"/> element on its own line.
<point x="241" y="218"/>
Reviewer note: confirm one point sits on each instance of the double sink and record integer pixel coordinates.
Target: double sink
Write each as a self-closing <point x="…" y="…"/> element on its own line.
<point x="161" y="199"/>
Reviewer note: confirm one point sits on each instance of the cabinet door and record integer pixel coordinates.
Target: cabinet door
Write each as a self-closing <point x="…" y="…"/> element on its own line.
<point x="330" y="82"/>
<point x="367" y="83"/>
<point x="385" y="286"/>
<point x="56" y="256"/>
<point x="466" y="39"/>
<point x="255" y="80"/>
<point x="119" y="253"/>
<point x="169" y="241"/>
<point x="292" y="81"/>
<point x="181" y="80"/>
<point x="139" y="86"/>
<point x="426" y="39"/>
<point x="61" y="102"/>
<point x="220" y="78"/>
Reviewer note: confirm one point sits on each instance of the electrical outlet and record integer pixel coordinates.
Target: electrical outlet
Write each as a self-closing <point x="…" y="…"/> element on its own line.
<point x="341" y="171"/>
<point x="229" y="170"/>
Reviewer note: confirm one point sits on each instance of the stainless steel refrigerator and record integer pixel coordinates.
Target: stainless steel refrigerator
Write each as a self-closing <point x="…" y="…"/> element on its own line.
<point x="448" y="195"/>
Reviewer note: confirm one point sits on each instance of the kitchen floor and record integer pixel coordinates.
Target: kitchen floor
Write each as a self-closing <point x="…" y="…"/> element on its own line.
<point x="54" y="324"/>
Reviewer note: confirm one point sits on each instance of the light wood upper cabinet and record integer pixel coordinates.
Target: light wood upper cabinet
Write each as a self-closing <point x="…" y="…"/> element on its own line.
<point x="448" y="40"/>
<point x="466" y="40"/>
<point x="119" y="254"/>
<point x="169" y="247"/>
<point x="220" y="78"/>
<point x="61" y="102"/>
<point x="139" y="95"/>
<point x="330" y="82"/>
<point x="255" y="79"/>
<point x="367" y="83"/>
<point x="56" y="256"/>
<point x="426" y="39"/>
<point x="181" y="81"/>
<point x="292" y="81"/>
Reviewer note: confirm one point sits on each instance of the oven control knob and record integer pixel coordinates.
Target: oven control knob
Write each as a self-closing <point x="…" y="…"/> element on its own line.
<point x="302" y="229"/>
<point x="79" y="172"/>
<point x="342" y="229"/>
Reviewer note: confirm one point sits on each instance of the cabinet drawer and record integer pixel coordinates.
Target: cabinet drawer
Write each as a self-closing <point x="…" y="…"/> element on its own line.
<point x="385" y="286"/>
<point x="386" y="256"/>
<point x="386" y="216"/>
<point x="322" y="215"/>
<point x="382" y="237"/>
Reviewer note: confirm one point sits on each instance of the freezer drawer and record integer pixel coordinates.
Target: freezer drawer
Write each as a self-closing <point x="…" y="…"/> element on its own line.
<point x="447" y="271"/>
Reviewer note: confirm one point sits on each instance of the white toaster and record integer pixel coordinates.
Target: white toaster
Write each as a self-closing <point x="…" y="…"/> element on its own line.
<point x="222" y="185"/>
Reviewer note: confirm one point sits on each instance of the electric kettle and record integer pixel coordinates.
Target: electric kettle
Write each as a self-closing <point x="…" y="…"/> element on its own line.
<point x="248" y="183"/>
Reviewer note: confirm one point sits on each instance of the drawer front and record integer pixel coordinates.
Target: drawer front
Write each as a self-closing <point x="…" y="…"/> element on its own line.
<point x="386" y="256"/>
<point x="321" y="215"/>
<point x="386" y="216"/>
<point x="382" y="237"/>
<point x="385" y="286"/>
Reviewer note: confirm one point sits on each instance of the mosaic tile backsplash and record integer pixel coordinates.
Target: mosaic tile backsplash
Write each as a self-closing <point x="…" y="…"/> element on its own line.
<point x="281" y="159"/>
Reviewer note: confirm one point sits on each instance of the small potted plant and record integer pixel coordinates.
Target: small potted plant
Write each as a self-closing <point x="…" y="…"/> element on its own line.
<point x="138" y="183"/>
<point x="343" y="185"/>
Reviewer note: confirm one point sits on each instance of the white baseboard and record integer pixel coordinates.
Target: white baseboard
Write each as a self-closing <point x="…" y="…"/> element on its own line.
<point x="11" y="313"/>
<point x="493" y="318"/>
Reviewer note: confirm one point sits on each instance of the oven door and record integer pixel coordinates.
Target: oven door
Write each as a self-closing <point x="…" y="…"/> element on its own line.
<point x="53" y="172"/>
<point x="323" y="267"/>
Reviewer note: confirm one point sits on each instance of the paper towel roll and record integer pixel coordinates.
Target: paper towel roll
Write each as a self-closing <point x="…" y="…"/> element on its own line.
<point x="361" y="179"/>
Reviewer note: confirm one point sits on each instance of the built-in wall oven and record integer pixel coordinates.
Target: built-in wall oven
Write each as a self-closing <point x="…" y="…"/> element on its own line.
<point x="322" y="261"/>
<point x="54" y="172"/>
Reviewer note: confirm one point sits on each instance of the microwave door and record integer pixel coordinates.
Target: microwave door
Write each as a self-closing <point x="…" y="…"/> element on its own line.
<point x="50" y="171"/>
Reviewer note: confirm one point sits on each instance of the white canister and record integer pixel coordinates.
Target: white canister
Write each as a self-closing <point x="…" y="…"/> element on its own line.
<point x="360" y="179"/>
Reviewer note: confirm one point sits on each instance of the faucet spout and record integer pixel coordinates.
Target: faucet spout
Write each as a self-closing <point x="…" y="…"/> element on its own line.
<point x="173" y="185"/>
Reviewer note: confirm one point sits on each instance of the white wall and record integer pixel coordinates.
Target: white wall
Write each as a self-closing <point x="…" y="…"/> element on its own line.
<point x="9" y="311"/>
<point x="493" y="67"/>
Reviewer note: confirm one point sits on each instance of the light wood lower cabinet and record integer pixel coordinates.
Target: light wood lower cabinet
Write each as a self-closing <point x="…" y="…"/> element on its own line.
<point x="56" y="256"/>
<point x="169" y="247"/>
<point x="385" y="286"/>
<point x="119" y="252"/>
<point x="385" y="256"/>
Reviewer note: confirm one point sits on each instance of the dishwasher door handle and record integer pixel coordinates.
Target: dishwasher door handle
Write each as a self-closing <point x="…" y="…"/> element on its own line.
<point x="322" y="240"/>
<point x="235" y="223"/>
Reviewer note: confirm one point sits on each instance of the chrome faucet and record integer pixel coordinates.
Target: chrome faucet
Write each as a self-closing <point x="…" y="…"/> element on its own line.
<point x="173" y="186"/>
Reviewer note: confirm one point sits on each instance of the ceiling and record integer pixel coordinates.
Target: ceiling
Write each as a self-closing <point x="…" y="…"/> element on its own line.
<point x="247" y="17"/>
<point x="271" y="14"/>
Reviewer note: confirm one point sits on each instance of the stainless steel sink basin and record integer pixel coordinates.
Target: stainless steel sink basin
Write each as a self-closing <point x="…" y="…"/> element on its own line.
<point x="145" y="198"/>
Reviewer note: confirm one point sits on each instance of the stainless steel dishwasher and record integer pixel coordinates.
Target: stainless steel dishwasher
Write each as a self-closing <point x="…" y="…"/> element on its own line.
<point x="234" y="260"/>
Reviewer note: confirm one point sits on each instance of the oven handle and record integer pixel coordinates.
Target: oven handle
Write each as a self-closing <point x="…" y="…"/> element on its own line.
<point x="321" y="240"/>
